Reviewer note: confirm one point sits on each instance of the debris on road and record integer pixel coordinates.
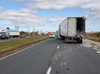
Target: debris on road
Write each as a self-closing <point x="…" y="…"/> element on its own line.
<point x="98" y="51"/>
<point x="91" y="45"/>
<point x="86" y="45"/>
<point x="95" y="48"/>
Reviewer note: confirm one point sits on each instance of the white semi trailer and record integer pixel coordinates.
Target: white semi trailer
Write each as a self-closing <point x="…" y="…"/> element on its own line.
<point x="10" y="33"/>
<point x="72" y="29"/>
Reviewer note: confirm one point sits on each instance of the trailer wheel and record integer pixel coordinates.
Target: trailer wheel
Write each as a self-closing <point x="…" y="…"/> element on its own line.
<point x="63" y="38"/>
<point x="79" y="41"/>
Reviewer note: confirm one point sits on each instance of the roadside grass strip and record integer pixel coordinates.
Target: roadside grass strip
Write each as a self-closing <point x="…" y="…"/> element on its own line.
<point x="19" y="43"/>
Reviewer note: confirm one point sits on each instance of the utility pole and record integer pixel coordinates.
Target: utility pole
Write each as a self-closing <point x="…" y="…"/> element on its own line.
<point x="28" y="30"/>
<point x="34" y="29"/>
<point x="17" y="27"/>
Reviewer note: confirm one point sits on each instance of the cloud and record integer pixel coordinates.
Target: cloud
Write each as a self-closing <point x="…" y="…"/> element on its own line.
<point x="57" y="18"/>
<point x="93" y="14"/>
<point x="1" y="9"/>
<point x="93" y="5"/>
<point x="53" y="4"/>
<point x="61" y="4"/>
<point x="23" y="16"/>
<point x="28" y="17"/>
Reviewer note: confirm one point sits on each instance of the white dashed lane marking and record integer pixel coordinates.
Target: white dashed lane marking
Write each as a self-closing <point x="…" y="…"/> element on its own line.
<point x="57" y="47"/>
<point x="49" y="70"/>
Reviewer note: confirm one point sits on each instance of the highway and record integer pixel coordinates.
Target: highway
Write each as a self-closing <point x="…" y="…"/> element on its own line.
<point x="51" y="56"/>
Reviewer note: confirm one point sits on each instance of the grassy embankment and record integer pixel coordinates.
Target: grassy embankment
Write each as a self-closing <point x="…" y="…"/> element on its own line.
<point x="94" y="36"/>
<point x="10" y="45"/>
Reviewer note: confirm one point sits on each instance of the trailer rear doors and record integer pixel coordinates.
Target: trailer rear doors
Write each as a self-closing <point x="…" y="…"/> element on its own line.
<point x="71" y="26"/>
<point x="81" y="26"/>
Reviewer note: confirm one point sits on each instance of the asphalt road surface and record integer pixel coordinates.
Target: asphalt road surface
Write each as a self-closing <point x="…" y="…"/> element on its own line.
<point x="52" y="57"/>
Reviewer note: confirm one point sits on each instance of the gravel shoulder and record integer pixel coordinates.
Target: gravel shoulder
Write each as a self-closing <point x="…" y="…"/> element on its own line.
<point x="93" y="43"/>
<point x="90" y="41"/>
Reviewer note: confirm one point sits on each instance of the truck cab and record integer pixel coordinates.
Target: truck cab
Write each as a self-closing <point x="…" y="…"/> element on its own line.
<point x="4" y="34"/>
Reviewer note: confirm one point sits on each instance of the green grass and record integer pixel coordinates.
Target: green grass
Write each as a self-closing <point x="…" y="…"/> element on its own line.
<point x="10" y="45"/>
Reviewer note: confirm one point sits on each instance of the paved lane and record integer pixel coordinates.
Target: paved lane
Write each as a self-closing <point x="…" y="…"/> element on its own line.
<point x="34" y="60"/>
<point x="71" y="58"/>
<point x="55" y="57"/>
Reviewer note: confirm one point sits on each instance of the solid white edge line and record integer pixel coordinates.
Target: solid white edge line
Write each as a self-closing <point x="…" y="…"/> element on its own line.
<point x="57" y="47"/>
<point x="49" y="70"/>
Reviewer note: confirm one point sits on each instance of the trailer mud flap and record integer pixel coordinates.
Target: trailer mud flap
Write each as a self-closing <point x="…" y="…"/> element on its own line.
<point x="84" y="35"/>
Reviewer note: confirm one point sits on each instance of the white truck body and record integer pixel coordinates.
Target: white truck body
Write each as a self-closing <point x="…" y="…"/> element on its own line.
<point x="10" y="32"/>
<point x="72" y="28"/>
<point x="13" y="32"/>
<point x="68" y="29"/>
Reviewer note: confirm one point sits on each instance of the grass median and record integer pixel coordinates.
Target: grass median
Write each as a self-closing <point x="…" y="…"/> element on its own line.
<point x="10" y="45"/>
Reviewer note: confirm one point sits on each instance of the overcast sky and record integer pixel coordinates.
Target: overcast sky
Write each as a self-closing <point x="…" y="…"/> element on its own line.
<point x="46" y="15"/>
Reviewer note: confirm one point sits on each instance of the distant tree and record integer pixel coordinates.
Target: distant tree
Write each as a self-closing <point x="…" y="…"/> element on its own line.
<point x="26" y="33"/>
<point x="97" y="35"/>
<point x="32" y="32"/>
<point x="33" y="29"/>
<point x="7" y="28"/>
<point x="22" y="32"/>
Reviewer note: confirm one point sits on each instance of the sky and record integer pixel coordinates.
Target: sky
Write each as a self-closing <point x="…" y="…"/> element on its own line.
<point x="46" y="15"/>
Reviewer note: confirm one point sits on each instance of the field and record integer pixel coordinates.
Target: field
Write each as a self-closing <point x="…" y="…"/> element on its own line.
<point x="94" y="36"/>
<point x="10" y="45"/>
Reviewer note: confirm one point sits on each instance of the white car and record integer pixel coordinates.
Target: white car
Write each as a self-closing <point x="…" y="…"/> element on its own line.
<point x="52" y="36"/>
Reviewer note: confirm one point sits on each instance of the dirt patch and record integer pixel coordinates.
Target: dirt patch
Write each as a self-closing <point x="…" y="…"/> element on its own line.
<point x="2" y="52"/>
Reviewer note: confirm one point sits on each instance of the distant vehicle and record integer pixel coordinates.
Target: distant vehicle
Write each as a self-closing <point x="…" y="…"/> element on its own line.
<point x="36" y="33"/>
<point x="50" y="32"/>
<point x="72" y="29"/>
<point x="22" y="36"/>
<point x="32" y="35"/>
<point x="10" y="33"/>
<point x="52" y="36"/>
<point x="4" y="36"/>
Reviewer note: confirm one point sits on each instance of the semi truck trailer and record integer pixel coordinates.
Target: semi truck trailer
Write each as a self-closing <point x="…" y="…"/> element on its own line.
<point x="10" y="33"/>
<point x="72" y="29"/>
